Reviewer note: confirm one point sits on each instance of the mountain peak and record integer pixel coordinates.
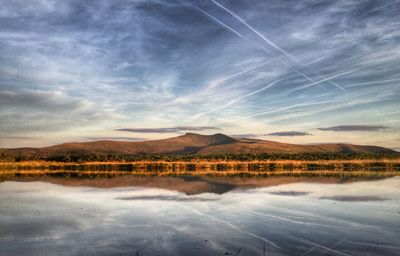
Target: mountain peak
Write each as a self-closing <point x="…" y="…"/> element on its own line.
<point x="214" y="139"/>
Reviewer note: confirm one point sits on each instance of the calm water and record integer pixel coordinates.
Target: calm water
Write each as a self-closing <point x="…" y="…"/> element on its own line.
<point x="199" y="216"/>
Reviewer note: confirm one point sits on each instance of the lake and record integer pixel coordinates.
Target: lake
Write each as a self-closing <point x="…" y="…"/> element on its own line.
<point x="199" y="216"/>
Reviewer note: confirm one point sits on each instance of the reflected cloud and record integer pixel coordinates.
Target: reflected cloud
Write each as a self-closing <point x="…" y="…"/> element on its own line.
<point x="36" y="227"/>
<point x="289" y="193"/>
<point x="167" y="198"/>
<point x="354" y="198"/>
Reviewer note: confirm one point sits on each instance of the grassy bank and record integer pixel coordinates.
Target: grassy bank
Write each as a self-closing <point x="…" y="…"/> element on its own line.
<point x="211" y="167"/>
<point x="16" y="174"/>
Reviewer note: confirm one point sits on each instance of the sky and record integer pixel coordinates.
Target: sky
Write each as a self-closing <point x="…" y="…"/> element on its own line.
<point x="303" y="72"/>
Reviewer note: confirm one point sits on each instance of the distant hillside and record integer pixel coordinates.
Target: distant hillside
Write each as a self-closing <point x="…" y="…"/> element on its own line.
<point x="192" y="143"/>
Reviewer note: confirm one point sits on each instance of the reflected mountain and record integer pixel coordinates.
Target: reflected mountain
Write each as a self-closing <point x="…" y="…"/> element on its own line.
<point x="192" y="185"/>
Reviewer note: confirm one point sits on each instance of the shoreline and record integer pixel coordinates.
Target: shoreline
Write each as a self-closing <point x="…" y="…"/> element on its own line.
<point x="266" y="168"/>
<point x="389" y="164"/>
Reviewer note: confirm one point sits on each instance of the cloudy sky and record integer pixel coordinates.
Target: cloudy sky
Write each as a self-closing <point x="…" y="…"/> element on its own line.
<point x="293" y="71"/>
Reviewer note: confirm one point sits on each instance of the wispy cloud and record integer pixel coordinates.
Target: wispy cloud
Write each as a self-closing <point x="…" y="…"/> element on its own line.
<point x="35" y="111"/>
<point x="354" y="198"/>
<point x="289" y="133"/>
<point x="115" y="138"/>
<point x="176" y="129"/>
<point x="72" y="69"/>
<point x="278" y="134"/>
<point x="247" y="135"/>
<point x="346" y="128"/>
<point x="275" y="46"/>
<point x="322" y="80"/>
<point x="18" y="137"/>
<point x="268" y="41"/>
<point x="37" y="99"/>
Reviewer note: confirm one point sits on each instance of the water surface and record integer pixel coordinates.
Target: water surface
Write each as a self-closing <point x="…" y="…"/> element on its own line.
<point x="200" y="216"/>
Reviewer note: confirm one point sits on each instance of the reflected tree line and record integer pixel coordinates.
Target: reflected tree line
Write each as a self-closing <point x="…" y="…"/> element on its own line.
<point x="111" y="157"/>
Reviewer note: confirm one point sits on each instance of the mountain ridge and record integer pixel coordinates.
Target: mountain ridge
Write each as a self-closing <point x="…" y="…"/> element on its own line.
<point x="193" y="143"/>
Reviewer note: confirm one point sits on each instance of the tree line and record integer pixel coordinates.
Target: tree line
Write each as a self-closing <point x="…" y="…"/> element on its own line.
<point x="91" y="157"/>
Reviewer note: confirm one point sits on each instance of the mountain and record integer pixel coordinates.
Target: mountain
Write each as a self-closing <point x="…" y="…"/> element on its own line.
<point x="192" y="143"/>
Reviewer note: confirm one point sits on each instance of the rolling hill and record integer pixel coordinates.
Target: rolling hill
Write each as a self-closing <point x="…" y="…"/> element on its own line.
<point x="192" y="143"/>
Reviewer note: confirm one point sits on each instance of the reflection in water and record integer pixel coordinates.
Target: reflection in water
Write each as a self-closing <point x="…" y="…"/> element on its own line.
<point x="354" y="198"/>
<point x="289" y="193"/>
<point x="181" y="216"/>
<point x="167" y="198"/>
<point x="189" y="185"/>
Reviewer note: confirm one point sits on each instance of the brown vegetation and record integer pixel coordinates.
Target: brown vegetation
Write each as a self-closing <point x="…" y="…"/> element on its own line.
<point x="189" y="143"/>
<point x="318" y="168"/>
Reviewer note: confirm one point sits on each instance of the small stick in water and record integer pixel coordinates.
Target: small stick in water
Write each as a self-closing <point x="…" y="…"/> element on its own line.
<point x="264" y="249"/>
<point x="237" y="253"/>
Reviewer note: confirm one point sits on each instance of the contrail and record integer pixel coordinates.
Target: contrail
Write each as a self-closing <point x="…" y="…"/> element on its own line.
<point x="312" y="248"/>
<point x="289" y="107"/>
<point x="217" y="82"/>
<point x="236" y="227"/>
<point x="338" y="86"/>
<point x="322" y="80"/>
<point x="305" y="76"/>
<point x="388" y="113"/>
<point x="220" y="22"/>
<point x="265" y="39"/>
<point x="332" y="250"/>
<point x="259" y="46"/>
<point x="374" y="82"/>
<point x="254" y="92"/>
<point x="259" y="34"/>
<point x="288" y="55"/>
<point x="239" y="98"/>
<point x="311" y="80"/>
<point x="340" y="241"/>
<point x="349" y="102"/>
<point x="336" y="244"/>
<point x="228" y="27"/>
<point x="285" y="219"/>
<point x="256" y="44"/>
<point x="236" y="75"/>
<point x="245" y="38"/>
<point x="345" y="103"/>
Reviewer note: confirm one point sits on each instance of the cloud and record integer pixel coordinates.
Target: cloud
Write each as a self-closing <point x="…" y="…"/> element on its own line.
<point x="247" y="135"/>
<point x="283" y="134"/>
<point x="39" y="100"/>
<point x="289" y="133"/>
<point x="169" y="129"/>
<point x="30" y="112"/>
<point x="346" y="128"/>
<point x="116" y="138"/>
<point x="18" y="137"/>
